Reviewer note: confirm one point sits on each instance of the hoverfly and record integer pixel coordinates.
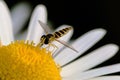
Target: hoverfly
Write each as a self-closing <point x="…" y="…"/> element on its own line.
<point x="49" y="38"/>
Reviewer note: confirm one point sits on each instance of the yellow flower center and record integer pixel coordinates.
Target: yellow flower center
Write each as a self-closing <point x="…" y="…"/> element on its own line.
<point x="23" y="61"/>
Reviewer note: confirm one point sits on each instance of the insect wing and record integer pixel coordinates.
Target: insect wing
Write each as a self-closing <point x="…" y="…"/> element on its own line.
<point x="64" y="43"/>
<point x="44" y="26"/>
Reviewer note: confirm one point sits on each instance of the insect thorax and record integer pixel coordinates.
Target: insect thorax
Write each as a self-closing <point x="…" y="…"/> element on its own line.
<point x="47" y="38"/>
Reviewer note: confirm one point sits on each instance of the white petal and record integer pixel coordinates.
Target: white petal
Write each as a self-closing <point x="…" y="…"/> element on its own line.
<point x="91" y="60"/>
<point x="35" y="30"/>
<point x="6" y="33"/>
<point x="96" y="72"/>
<point x="106" y="78"/>
<point x="82" y="44"/>
<point x="21" y="36"/>
<point x="20" y="14"/>
<point x="65" y="38"/>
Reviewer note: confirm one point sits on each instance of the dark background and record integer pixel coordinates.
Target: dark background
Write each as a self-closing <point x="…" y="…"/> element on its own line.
<point x="84" y="16"/>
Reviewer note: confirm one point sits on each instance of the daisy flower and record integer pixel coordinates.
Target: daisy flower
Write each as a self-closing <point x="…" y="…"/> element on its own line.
<point x="24" y="60"/>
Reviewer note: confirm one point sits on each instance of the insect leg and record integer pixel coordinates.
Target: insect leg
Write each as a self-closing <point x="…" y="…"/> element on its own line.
<point x="55" y="48"/>
<point x="50" y="45"/>
<point x="41" y="43"/>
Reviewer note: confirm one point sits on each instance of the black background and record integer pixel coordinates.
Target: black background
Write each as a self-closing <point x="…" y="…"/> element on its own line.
<point x="84" y="15"/>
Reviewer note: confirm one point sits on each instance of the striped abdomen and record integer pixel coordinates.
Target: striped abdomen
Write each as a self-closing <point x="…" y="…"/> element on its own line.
<point x="62" y="32"/>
